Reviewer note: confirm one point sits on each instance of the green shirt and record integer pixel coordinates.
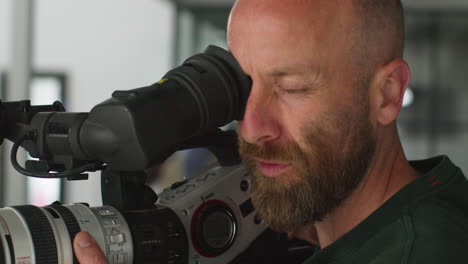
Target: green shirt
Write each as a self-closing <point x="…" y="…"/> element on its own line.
<point x="425" y="222"/>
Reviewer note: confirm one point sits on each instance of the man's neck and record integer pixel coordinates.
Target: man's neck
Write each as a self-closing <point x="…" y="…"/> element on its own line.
<point x="388" y="173"/>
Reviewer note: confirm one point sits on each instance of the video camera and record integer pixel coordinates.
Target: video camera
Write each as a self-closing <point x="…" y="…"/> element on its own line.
<point x="208" y="219"/>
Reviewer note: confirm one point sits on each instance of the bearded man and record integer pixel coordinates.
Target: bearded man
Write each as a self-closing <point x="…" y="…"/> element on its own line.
<point x="319" y="135"/>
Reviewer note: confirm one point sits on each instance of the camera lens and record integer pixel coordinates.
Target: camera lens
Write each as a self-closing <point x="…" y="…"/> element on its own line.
<point x="214" y="228"/>
<point x="30" y="234"/>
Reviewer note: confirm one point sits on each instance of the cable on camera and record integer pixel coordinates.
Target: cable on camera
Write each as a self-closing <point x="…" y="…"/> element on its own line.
<point x="93" y="166"/>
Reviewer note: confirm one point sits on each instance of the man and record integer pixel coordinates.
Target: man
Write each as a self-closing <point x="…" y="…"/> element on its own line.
<point x="320" y="139"/>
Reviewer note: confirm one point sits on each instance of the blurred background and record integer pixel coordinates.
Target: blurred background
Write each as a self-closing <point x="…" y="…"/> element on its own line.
<point x="79" y="52"/>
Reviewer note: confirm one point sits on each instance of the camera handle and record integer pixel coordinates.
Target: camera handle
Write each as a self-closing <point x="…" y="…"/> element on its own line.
<point x="223" y="144"/>
<point x="127" y="190"/>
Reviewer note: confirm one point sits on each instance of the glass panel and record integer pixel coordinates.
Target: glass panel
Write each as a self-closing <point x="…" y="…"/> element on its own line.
<point x="437" y="51"/>
<point x="211" y="27"/>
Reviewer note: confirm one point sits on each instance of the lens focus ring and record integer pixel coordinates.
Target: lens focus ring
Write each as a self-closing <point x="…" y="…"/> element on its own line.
<point x="43" y="238"/>
<point x="70" y="221"/>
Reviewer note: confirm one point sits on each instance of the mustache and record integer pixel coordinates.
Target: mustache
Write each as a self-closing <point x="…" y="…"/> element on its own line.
<point x="290" y="152"/>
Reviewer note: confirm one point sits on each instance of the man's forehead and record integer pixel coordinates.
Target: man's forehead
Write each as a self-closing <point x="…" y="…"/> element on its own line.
<point x="290" y="31"/>
<point x="300" y="15"/>
<point x="284" y="7"/>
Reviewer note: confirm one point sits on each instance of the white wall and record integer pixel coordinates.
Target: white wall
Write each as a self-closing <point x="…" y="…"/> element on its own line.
<point x="102" y="45"/>
<point x="5" y="32"/>
<point x="5" y="38"/>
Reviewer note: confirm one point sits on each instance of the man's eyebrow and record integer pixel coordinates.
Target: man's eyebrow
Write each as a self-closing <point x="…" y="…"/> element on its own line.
<point x="311" y="72"/>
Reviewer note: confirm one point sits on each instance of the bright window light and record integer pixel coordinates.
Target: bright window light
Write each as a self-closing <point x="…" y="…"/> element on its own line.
<point x="408" y="98"/>
<point x="44" y="91"/>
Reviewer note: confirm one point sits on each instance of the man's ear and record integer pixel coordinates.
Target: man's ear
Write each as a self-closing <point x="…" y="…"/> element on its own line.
<point x="390" y="83"/>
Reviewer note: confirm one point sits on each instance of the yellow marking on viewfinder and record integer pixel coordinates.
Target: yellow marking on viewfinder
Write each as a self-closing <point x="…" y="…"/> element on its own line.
<point x="163" y="81"/>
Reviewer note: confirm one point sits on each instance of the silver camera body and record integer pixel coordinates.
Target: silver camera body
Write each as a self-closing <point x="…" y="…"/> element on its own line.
<point x="222" y="196"/>
<point x="212" y="221"/>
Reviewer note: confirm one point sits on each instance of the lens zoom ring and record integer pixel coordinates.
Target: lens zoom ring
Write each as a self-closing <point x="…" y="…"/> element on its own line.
<point x="70" y="221"/>
<point x="45" y="247"/>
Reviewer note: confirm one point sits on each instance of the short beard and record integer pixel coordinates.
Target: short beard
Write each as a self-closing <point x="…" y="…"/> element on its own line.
<point x="323" y="177"/>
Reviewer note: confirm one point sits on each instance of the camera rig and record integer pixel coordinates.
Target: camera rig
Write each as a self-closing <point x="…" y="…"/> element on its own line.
<point x="134" y="129"/>
<point x="127" y="134"/>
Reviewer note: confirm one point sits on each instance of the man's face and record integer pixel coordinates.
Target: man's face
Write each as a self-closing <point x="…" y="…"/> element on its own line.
<point x="306" y="136"/>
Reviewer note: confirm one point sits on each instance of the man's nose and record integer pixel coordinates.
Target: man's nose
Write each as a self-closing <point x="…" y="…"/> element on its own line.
<point x="260" y="123"/>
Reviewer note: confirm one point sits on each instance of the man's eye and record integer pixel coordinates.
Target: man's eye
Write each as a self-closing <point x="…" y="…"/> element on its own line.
<point x="292" y="90"/>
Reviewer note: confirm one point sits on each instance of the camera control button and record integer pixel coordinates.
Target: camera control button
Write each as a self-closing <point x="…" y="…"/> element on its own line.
<point x="185" y="188"/>
<point x="178" y="184"/>
<point x="206" y="177"/>
<point x="106" y="212"/>
<point x="116" y="238"/>
<point x="110" y="222"/>
<point x="119" y="258"/>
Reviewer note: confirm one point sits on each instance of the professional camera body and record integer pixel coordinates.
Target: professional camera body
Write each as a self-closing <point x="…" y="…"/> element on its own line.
<point x="208" y="219"/>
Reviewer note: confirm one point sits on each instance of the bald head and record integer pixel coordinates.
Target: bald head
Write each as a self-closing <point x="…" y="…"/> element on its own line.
<point x="381" y="29"/>
<point x="368" y="32"/>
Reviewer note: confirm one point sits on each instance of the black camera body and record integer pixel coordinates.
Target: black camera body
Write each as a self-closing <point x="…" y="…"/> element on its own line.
<point x="208" y="219"/>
